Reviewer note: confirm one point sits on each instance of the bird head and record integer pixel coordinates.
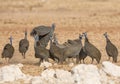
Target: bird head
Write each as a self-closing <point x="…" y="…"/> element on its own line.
<point x="36" y="37"/>
<point x="85" y="34"/>
<point x="105" y="34"/>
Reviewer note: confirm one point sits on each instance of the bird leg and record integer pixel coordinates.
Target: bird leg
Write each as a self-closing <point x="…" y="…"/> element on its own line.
<point x="41" y="60"/>
<point x="56" y="60"/>
<point x="46" y="59"/>
<point x="24" y="55"/>
<point x="77" y="59"/>
<point x="108" y="58"/>
<point x="92" y="60"/>
<point x="83" y="61"/>
<point x="60" y="60"/>
<point x="6" y="60"/>
<point x="68" y="60"/>
<point x="80" y="61"/>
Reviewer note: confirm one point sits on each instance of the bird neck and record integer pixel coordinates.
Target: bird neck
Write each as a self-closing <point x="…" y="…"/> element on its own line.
<point x="86" y="39"/>
<point x="11" y="41"/>
<point x="55" y="40"/>
<point x="50" y="42"/>
<point x="52" y="29"/>
<point x="25" y="36"/>
<point x="107" y="39"/>
<point x="36" y="39"/>
<point x="35" y="43"/>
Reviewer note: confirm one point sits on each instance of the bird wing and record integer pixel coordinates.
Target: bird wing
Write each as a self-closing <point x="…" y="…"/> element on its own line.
<point x="24" y="42"/>
<point x="42" y="30"/>
<point x="111" y="49"/>
<point x="90" y="48"/>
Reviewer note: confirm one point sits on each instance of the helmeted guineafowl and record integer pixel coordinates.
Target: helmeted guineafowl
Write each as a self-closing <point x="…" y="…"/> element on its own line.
<point x="82" y="55"/>
<point x="91" y="50"/>
<point x="111" y="49"/>
<point x="8" y="51"/>
<point x="72" y="51"/>
<point x="40" y="52"/>
<point x="56" y="52"/>
<point x="24" y="45"/>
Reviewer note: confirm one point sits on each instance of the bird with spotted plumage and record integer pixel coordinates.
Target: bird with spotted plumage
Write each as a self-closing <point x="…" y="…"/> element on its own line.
<point x="8" y="51"/>
<point x="111" y="49"/>
<point x="24" y="45"/>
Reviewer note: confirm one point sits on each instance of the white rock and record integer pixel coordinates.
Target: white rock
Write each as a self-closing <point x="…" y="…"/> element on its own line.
<point x="86" y="74"/>
<point x="80" y="74"/>
<point x="111" y="82"/>
<point x="27" y="79"/>
<point x="48" y="73"/>
<point x="46" y="64"/>
<point x="104" y="78"/>
<point x="71" y="64"/>
<point x="20" y="65"/>
<point x="111" y="69"/>
<point x="11" y="73"/>
<point x="64" y="77"/>
<point x="36" y="80"/>
<point x="55" y="64"/>
<point x="51" y="76"/>
<point x="47" y="77"/>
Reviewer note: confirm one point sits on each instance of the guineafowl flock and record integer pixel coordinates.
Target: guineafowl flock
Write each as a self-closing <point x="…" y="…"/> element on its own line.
<point x="60" y="52"/>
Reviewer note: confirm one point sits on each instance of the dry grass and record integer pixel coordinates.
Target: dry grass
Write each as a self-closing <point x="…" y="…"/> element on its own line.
<point x="71" y="17"/>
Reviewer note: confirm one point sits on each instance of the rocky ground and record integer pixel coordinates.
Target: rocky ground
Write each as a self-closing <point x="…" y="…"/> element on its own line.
<point x="79" y="74"/>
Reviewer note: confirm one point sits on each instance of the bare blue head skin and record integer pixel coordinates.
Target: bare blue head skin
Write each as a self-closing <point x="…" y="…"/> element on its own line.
<point x="11" y="40"/>
<point x="36" y="38"/>
<point x="85" y="34"/>
<point x="55" y="39"/>
<point x="105" y="34"/>
<point x="25" y="34"/>
<point x="53" y="26"/>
